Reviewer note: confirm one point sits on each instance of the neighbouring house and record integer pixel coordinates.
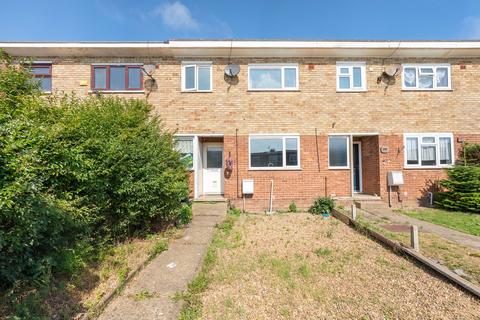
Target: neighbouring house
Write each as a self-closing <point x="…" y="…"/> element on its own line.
<point x="301" y="119"/>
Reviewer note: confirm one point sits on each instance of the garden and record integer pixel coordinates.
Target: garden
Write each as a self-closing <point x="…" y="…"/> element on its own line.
<point x="84" y="184"/>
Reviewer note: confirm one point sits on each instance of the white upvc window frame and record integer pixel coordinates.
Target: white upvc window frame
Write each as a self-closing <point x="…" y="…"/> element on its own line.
<point x="284" y="151"/>
<point x="282" y="67"/>
<point x="434" y="66"/>
<point x="350" y="65"/>
<point x="196" y="65"/>
<point x="437" y="137"/>
<point x="191" y="138"/>
<point x="348" y="137"/>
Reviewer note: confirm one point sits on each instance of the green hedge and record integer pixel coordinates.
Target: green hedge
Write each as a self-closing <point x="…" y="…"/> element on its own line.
<point x="78" y="172"/>
<point x="462" y="189"/>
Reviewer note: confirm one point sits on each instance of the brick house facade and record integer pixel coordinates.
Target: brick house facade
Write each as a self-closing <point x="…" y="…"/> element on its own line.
<point x="376" y="120"/>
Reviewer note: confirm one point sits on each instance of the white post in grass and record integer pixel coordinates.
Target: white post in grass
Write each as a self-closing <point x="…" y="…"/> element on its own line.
<point x="414" y="238"/>
<point x="354" y="212"/>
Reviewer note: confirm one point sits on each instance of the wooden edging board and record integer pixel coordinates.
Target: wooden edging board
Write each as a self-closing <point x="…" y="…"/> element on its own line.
<point x="399" y="248"/>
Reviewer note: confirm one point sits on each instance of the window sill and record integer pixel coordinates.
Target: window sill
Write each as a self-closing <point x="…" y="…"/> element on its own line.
<point x="116" y="91"/>
<point x="338" y="168"/>
<point x="197" y="91"/>
<point x="275" y="169"/>
<point x="427" y="167"/>
<point x="273" y="90"/>
<point x="426" y="90"/>
<point x="351" y="91"/>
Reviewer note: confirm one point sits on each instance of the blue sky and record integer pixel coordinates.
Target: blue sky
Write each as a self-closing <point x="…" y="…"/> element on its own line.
<point x="117" y="20"/>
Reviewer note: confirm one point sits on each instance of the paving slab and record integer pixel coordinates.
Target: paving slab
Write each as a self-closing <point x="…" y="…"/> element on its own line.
<point x="170" y="272"/>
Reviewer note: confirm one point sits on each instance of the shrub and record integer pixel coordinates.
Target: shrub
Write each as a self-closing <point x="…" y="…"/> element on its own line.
<point x="292" y="207"/>
<point x="76" y="174"/>
<point x="321" y="205"/>
<point x="462" y="189"/>
<point x="185" y="214"/>
<point x="34" y="236"/>
<point x="470" y="154"/>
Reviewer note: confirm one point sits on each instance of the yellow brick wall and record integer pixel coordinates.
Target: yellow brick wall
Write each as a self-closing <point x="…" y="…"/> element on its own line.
<point x="315" y="105"/>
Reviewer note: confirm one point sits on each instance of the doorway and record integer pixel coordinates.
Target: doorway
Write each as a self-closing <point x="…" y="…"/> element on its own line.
<point x="357" y="166"/>
<point x="212" y="168"/>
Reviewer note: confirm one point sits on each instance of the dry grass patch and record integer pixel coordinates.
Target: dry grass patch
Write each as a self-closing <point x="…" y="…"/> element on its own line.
<point x="298" y="266"/>
<point x="452" y="255"/>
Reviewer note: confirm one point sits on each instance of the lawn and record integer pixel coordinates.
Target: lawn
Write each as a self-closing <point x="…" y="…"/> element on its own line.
<point x="298" y="266"/>
<point x="464" y="222"/>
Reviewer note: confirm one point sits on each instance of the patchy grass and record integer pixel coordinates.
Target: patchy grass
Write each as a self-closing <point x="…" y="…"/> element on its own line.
<point x="66" y="297"/>
<point x="299" y="266"/>
<point x="142" y="295"/>
<point x="450" y="254"/>
<point x="460" y="221"/>
<point x="192" y="304"/>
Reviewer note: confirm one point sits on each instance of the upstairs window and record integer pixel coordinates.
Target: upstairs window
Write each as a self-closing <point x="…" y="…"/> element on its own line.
<point x="272" y="77"/>
<point x="274" y="152"/>
<point x="351" y="76"/>
<point x="42" y="73"/>
<point x="117" y="77"/>
<point x="426" y="77"/>
<point x="428" y="150"/>
<point x="197" y="76"/>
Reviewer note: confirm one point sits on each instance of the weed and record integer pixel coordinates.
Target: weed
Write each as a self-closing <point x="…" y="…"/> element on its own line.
<point x="292" y="207"/>
<point x="142" y="295"/>
<point x="323" y="252"/>
<point x="123" y="273"/>
<point x="158" y="247"/>
<point x="304" y="271"/>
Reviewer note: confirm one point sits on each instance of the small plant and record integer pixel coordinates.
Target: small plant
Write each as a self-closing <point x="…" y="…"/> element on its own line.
<point x="185" y="215"/>
<point x="159" y="247"/>
<point x="304" y="271"/>
<point x="323" y="252"/>
<point x="341" y="207"/>
<point x="123" y="273"/>
<point x="292" y="207"/>
<point x="234" y="212"/>
<point x="322" y="205"/>
<point x="142" y="295"/>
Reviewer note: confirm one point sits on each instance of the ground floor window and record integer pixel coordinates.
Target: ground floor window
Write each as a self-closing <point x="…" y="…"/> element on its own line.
<point x="274" y="152"/>
<point x="185" y="148"/>
<point x="428" y="150"/>
<point x="338" y="152"/>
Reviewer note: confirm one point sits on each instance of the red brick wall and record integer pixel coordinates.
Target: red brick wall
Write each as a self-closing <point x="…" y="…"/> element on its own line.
<point x="301" y="186"/>
<point x="191" y="184"/>
<point x="315" y="179"/>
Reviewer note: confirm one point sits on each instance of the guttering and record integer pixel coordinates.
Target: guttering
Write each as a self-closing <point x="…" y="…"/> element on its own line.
<point x="249" y="48"/>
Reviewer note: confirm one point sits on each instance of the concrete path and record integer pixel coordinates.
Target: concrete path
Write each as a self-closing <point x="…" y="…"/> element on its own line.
<point x="170" y="272"/>
<point x="449" y="234"/>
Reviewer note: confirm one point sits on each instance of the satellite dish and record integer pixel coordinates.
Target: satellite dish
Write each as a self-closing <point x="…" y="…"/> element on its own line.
<point x="393" y="71"/>
<point x="232" y="70"/>
<point x="150" y="84"/>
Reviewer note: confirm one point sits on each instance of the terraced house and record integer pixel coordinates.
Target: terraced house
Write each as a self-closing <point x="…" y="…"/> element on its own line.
<point x="265" y="123"/>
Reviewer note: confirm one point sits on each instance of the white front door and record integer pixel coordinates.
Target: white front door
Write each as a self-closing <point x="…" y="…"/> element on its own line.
<point x="212" y="168"/>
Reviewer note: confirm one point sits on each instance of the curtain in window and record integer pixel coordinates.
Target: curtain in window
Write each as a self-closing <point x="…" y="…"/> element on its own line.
<point x="412" y="150"/>
<point x="409" y="75"/>
<point x="428" y="155"/>
<point x="445" y="151"/>
<point x="185" y="146"/>
<point x="442" y="77"/>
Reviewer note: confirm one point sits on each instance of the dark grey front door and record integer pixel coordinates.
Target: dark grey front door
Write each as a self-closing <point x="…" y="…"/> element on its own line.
<point x="357" y="168"/>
